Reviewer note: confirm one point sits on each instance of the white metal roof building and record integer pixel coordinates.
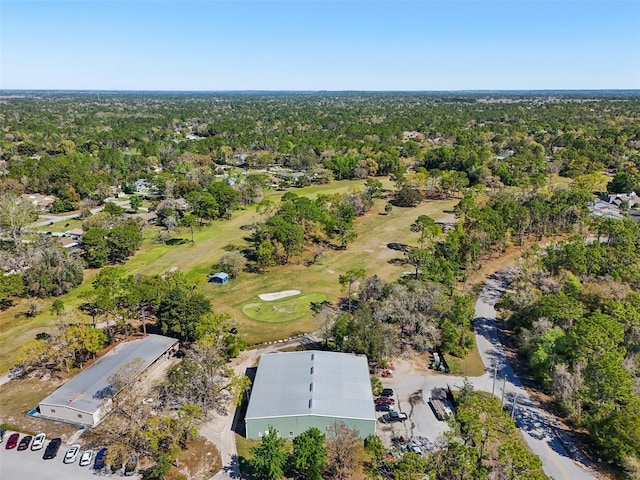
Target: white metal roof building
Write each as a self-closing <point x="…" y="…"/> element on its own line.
<point x="294" y="391"/>
<point x="85" y="399"/>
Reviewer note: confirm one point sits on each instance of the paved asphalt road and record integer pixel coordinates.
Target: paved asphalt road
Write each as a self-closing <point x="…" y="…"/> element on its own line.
<point x="535" y="424"/>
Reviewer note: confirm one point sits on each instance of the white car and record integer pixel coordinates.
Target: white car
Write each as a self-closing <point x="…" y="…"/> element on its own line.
<point x="38" y="441"/>
<point x="71" y="454"/>
<point x="85" y="458"/>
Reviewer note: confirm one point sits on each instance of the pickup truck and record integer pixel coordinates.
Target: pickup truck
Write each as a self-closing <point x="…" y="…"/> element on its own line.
<point x="393" y="417"/>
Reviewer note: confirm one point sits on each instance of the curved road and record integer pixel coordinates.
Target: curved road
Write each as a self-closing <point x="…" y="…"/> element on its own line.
<point x="537" y="426"/>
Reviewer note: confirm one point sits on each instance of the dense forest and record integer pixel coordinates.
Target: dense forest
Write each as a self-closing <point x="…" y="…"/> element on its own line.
<point x="575" y="308"/>
<point x="76" y="146"/>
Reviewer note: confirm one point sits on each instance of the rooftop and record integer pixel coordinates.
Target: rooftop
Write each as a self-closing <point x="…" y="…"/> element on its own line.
<point x="312" y="383"/>
<point x="87" y="390"/>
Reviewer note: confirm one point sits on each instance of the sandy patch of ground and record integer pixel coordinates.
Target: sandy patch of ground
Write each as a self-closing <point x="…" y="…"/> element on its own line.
<point x="268" y="297"/>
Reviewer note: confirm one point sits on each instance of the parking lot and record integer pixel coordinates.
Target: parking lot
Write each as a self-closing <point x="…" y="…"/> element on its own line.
<point x="28" y="464"/>
<point x="412" y="383"/>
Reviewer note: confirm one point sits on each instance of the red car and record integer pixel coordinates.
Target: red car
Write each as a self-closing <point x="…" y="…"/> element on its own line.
<point x="13" y="441"/>
<point x="385" y="401"/>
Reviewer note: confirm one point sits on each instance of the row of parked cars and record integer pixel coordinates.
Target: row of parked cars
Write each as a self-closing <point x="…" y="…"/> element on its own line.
<point x="384" y="403"/>
<point x="71" y="455"/>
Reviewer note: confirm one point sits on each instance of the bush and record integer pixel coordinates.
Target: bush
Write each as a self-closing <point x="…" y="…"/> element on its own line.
<point x="408" y="197"/>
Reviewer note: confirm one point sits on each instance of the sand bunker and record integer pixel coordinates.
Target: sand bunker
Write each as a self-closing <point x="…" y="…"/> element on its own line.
<point x="267" y="297"/>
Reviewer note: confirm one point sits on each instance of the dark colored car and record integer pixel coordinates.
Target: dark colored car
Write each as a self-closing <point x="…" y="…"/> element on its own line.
<point x="99" y="464"/>
<point x="384" y="401"/>
<point x="381" y="407"/>
<point x="12" y="441"/>
<point x="52" y="449"/>
<point x="2" y="432"/>
<point x="233" y="331"/>
<point x="386" y="392"/>
<point x="25" y="442"/>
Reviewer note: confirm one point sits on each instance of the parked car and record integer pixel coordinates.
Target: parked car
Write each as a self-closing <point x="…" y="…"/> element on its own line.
<point x="384" y="401"/>
<point x="24" y="443"/>
<point x="12" y="441"/>
<point x="386" y="392"/>
<point x="52" y="449"/>
<point x="393" y="417"/>
<point x="414" y="447"/>
<point x="131" y="466"/>
<point x="85" y="458"/>
<point x="16" y="372"/>
<point x="2" y="432"/>
<point x="383" y="407"/>
<point x="38" y="442"/>
<point x="99" y="464"/>
<point x="71" y="454"/>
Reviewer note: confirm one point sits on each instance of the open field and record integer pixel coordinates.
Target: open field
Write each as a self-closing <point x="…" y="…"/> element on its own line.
<point x="21" y="396"/>
<point x="370" y="251"/>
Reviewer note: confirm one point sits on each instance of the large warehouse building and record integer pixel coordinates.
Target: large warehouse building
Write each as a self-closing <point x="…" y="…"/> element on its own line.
<point x="85" y="399"/>
<point x="294" y="391"/>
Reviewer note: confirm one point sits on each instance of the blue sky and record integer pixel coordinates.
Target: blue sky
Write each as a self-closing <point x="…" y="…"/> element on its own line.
<point x="319" y="45"/>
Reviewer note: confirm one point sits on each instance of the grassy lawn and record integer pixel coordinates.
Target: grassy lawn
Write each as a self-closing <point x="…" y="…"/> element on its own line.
<point x="370" y="251"/>
<point x="277" y="311"/>
<point x="62" y="226"/>
<point x="469" y="366"/>
<point x="243" y="446"/>
<point x="19" y="397"/>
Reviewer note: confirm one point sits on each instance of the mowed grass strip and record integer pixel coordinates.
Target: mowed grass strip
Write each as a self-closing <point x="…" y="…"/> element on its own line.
<point x="285" y="310"/>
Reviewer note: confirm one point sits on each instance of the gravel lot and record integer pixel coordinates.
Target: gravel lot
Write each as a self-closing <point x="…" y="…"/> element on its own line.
<point x="28" y="464"/>
<point x="412" y="383"/>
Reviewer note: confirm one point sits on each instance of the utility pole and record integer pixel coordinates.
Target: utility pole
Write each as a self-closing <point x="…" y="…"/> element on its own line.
<point x="513" y="406"/>
<point x="504" y="387"/>
<point x="495" y="374"/>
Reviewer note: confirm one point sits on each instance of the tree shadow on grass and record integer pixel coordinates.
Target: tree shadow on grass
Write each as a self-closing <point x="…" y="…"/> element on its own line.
<point x="176" y="241"/>
<point x="400" y="247"/>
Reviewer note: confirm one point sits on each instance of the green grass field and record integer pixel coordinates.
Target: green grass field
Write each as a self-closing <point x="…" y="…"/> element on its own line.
<point x="63" y="226"/>
<point x="277" y="311"/>
<point x="370" y="251"/>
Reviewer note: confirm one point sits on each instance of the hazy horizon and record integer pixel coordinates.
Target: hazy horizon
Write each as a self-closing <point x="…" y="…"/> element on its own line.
<point x="333" y="45"/>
